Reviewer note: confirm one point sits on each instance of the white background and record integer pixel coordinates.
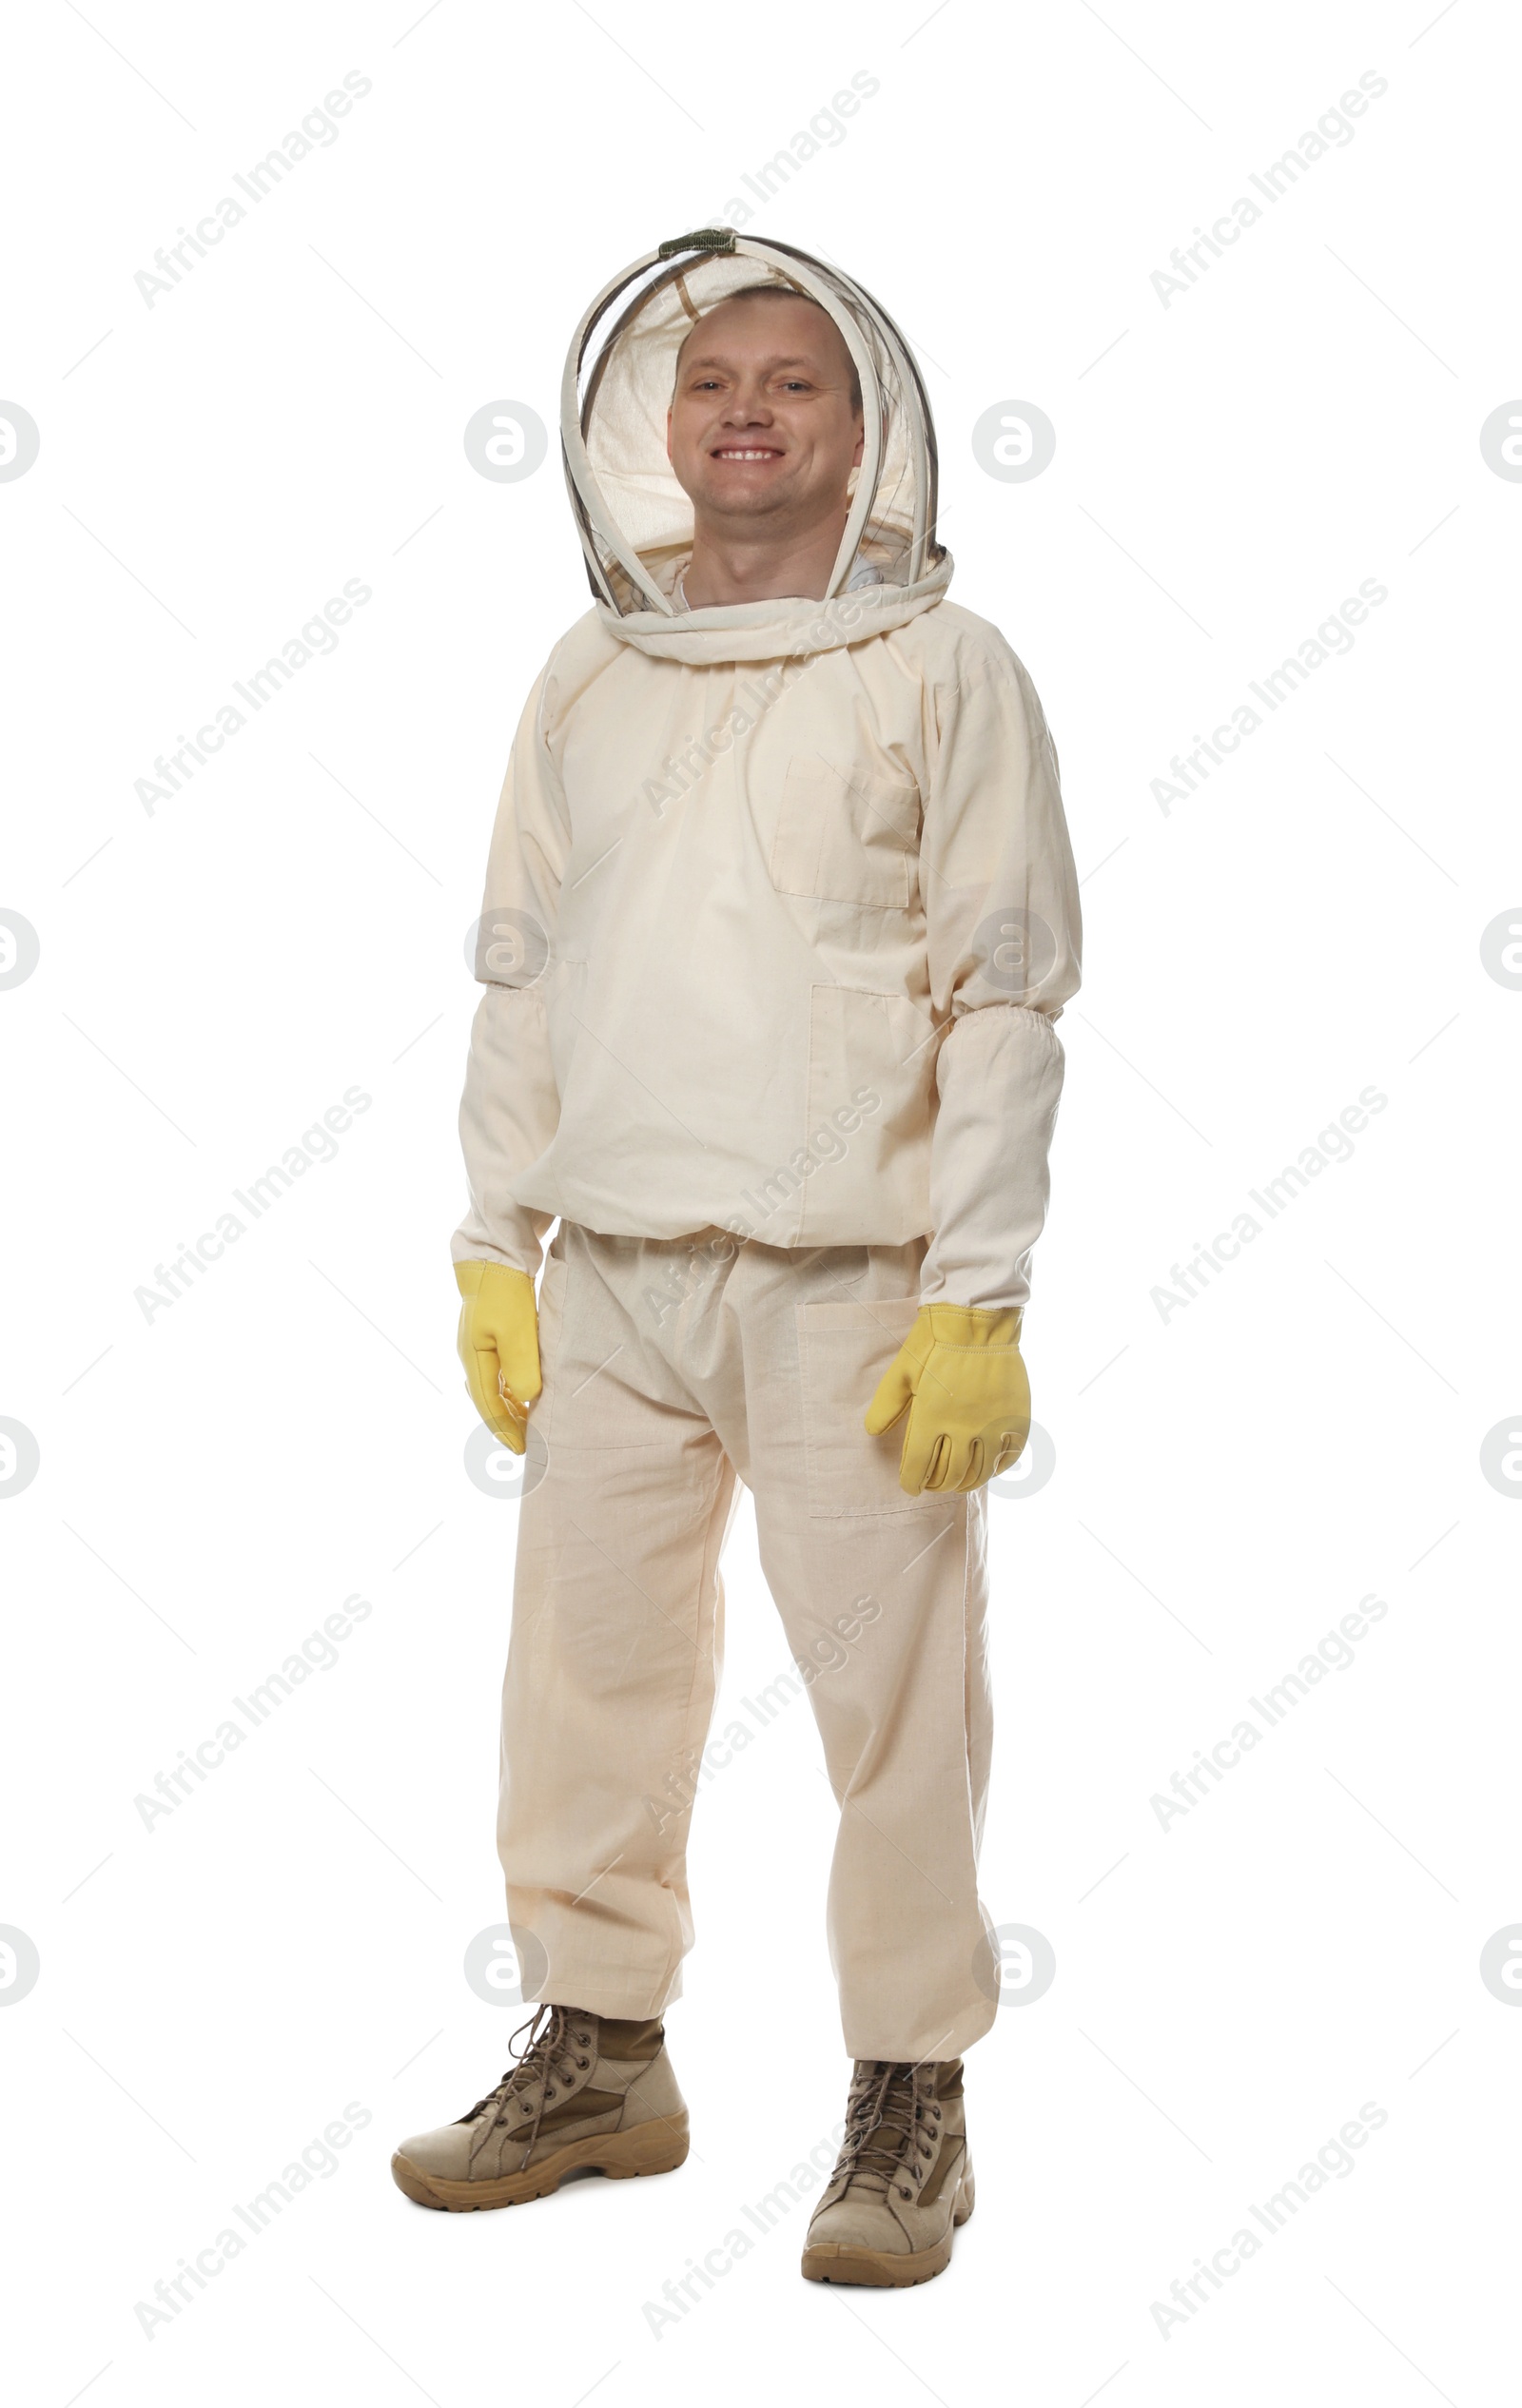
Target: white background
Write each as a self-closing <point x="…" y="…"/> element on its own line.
<point x="1230" y="1481"/>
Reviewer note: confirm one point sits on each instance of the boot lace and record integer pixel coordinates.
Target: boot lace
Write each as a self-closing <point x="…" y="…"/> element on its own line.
<point x="557" y="2042"/>
<point x="891" y="2130"/>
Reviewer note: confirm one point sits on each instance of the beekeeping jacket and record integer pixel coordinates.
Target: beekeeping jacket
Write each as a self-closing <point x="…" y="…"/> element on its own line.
<point x="780" y="908"/>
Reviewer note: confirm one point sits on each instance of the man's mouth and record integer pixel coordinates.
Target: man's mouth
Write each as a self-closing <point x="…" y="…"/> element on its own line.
<point x="746" y="452"/>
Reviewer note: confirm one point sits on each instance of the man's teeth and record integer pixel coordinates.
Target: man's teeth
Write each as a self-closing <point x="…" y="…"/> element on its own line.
<point x="730" y="455"/>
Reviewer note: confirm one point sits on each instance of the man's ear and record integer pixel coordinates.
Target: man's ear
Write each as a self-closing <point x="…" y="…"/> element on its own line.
<point x="861" y="446"/>
<point x="669" y="433"/>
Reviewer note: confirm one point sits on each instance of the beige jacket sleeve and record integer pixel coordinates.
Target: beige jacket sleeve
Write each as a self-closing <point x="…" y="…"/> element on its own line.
<point x="511" y="1105"/>
<point x="1003" y="938"/>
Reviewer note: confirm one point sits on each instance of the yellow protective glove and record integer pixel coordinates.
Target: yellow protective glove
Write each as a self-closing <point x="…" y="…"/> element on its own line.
<point x="959" y="1377"/>
<point x="498" y="1345"/>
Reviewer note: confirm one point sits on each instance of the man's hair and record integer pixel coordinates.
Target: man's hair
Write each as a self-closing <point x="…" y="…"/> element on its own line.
<point x="773" y="292"/>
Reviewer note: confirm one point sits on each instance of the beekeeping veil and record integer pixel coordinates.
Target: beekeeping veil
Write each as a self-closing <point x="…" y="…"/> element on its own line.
<point x="635" y="520"/>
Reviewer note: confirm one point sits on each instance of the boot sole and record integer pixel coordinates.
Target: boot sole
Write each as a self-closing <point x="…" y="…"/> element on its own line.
<point x="655" y="2147"/>
<point x="888" y="2269"/>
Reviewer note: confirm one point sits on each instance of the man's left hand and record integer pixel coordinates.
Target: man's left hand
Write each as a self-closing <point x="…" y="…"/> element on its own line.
<point x="959" y="1377"/>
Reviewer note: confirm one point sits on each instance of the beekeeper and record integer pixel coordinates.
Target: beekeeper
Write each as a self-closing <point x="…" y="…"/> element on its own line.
<point x="780" y="913"/>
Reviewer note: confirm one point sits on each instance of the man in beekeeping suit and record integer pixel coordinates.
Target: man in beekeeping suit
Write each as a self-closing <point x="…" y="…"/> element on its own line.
<point x="779" y="914"/>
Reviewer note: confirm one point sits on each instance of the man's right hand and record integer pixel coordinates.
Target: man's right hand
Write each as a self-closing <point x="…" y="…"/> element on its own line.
<point x="500" y="1347"/>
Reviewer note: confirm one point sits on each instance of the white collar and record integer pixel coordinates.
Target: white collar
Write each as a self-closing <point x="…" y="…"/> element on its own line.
<point x="864" y="574"/>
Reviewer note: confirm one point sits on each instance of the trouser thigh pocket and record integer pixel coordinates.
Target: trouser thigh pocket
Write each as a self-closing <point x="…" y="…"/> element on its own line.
<point x="843" y="1349"/>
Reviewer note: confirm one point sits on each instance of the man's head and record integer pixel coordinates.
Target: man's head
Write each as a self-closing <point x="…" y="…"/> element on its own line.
<point x="764" y="425"/>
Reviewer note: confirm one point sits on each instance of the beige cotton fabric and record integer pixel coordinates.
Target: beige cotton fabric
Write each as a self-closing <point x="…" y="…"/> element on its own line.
<point x="780" y="908"/>
<point x="673" y="1370"/>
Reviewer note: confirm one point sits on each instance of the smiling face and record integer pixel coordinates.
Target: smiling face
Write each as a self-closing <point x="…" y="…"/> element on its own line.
<point x="763" y="431"/>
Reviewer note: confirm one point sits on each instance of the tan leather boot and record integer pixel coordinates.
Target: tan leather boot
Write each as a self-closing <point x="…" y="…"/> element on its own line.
<point x="902" y="2181"/>
<point x="586" y="2090"/>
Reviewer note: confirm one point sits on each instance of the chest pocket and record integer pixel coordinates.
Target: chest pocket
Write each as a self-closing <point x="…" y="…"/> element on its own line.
<point x="845" y="836"/>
